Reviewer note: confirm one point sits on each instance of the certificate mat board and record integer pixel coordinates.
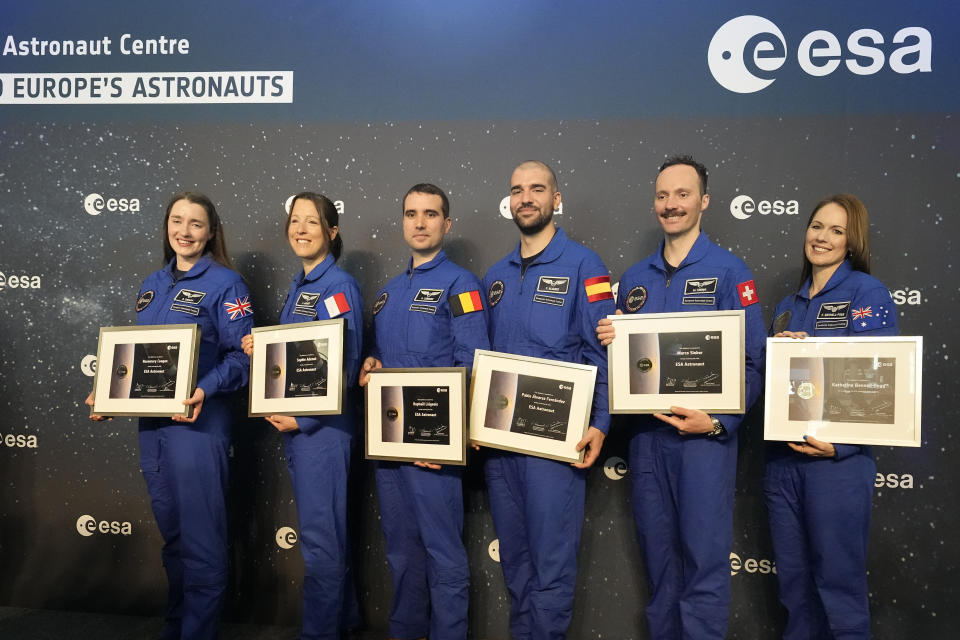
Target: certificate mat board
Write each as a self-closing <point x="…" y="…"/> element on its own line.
<point x="530" y="405"/>
<point x="693" y="360"/>
<point x="146" y="370"/>
<point x="297" y="369"/>
<point x="844" y="390"/>
<point x="417" y="415"/>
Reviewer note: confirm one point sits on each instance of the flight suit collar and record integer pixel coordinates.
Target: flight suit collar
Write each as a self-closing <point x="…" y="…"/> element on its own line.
<point x="838" y="276"/>
<point x="317" y="272"/>
<point x="433" y="263"/>
<point x="553" y="250"/>
<point x="697" y="252"/>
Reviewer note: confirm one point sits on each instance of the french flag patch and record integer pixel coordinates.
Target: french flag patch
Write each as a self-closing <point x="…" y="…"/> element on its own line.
<point x="336" y="305"/>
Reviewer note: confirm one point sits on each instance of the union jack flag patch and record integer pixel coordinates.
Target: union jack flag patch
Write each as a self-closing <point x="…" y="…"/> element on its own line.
<point x="238" y="309"/>
<point x="862" y="312"/>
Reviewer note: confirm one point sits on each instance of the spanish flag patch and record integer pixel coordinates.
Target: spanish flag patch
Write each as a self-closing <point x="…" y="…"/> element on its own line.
<point x="598" y="288"/>
<point x="466" y="302"/>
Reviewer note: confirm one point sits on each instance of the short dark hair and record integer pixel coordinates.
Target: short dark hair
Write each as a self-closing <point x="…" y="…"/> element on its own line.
<point x="329" y="217"/>
<point x="430" y="189"/>
<point x="690" y="162"/>
<point x="216" y="246"/>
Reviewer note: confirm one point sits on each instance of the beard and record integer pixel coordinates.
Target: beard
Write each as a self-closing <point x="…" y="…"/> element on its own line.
<point x="534" y="226"/>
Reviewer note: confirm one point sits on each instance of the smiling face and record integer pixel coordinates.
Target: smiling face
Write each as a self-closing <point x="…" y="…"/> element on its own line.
<point x="678" y="202"/>
<point x="306" y="234"/>
<point x="188" y="231"/>
<point x="826" y="240"/>
<point x="424" y="224"/>
<point x="533" y="198"/>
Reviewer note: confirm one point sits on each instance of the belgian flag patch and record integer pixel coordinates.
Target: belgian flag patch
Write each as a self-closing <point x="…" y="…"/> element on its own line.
<point x="466" y="302"/>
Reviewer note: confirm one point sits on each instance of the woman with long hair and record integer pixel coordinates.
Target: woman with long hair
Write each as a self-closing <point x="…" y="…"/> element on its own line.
<point x="317" y="448"/>
<point x="184" y="459"/>
<point x="818" y="494"/>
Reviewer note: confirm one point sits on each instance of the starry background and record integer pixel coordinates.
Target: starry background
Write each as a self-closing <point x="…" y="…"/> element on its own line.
<point x="90" y="268"/>
<point x="390" y="97"/>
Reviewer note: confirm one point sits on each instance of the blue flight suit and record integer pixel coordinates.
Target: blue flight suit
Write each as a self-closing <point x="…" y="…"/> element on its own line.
<point x="537" y="504"/>
<point x="184" y="464"/>
<point x="683" y="485"/>
<point x="415" y="325"/>
<point x="318" y="459"/>
<point x="820" y="508"/>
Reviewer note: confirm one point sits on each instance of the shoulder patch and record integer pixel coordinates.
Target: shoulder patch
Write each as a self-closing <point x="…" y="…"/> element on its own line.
<point x="867" y="318"/>
<point x="238" y="308"/>
<point x="635" y="299"/>
<point x="466" y="302"/>
<point x="748" y="293"/>
<point x="144" y="300"/>
<point x="598" y="288"/>
<point x="381" y="300"/>
<point x="495" y="292"/>
<point x="336" y="305"/>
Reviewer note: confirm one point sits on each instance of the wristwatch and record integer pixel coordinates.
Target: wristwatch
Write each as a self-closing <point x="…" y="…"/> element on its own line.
<point x="718" y="428"/>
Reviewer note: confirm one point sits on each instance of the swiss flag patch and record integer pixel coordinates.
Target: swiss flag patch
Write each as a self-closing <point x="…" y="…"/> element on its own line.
<point x="336" y="305"/>
<point x="748" y="293"/>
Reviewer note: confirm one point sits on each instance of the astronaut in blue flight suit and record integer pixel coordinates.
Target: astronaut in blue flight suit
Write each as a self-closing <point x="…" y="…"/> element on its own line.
<point x="317" y="448"/>
<point x="431" y="315"/>
<point x="818" y="494"/>
<point x="184" y="463"/>
<point x="544" y="300"/>
<point x="684" y="468"/>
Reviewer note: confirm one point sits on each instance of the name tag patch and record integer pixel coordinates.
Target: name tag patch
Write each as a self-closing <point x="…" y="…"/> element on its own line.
<point x="553" y="284"/>
<point x="188" y="296"/>
<point x="183" y="308"/>
<point x="423" y="308"/>
<point x="709" y="300"/>
<point x="557" y="302"/>
<point x="700" y="287"/>
<point x="306" y="304"/>
<point x="428" y="295"/>
<point x="833" y="315"/>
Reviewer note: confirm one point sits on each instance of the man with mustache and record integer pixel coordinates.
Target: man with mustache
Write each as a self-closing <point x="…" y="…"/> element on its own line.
<point x="544" y="300"/>
<point x="683" y="465"/>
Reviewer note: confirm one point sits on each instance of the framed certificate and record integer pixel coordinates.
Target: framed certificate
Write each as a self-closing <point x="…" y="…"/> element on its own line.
<point x="530" y="405"/>
<point x="297" y="369"/>
<point x="146" y="370"/>
<point x="417" y="414"/>
<point x="693" y="360"/>
<point x="844" y="390"/>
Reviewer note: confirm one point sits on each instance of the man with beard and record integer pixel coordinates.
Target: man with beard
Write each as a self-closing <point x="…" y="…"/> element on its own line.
<point x="683" y="465"/>
<point x="544" y="300"/>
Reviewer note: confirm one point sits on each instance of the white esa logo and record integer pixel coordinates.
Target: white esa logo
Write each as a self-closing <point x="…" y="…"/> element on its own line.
<point x="908" y="296"/>
<point x="742" y="207"/>
<point x="89" y="365"/>
<point x="615" y="468"/>
<point x="18" y="281"/>
<point x="87" y="526"/>
<point x="505" y="209"/>
<point x="19" y="441"/>
<point x="745" y="53"/>
<point x="95" y="204"/>
<point x="893" y="481"/>
<point x="751" y="565"/>
<point x="286" y="537"/>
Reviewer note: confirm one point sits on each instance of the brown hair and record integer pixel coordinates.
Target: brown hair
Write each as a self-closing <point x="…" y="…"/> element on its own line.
<point x="329" y="217"/>
<point x="858" y="233"/>
<point x="216" y="246"/>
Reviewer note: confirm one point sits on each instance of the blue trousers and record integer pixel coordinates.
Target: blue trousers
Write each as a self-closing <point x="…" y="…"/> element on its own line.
<point x="319" y="465"/>
<point x="186" y="474"/>
<point x="422" y="515"/>
<point x="537" y="507"/>
<point x="683" y="490"/>
<point x="819" y="522"/>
